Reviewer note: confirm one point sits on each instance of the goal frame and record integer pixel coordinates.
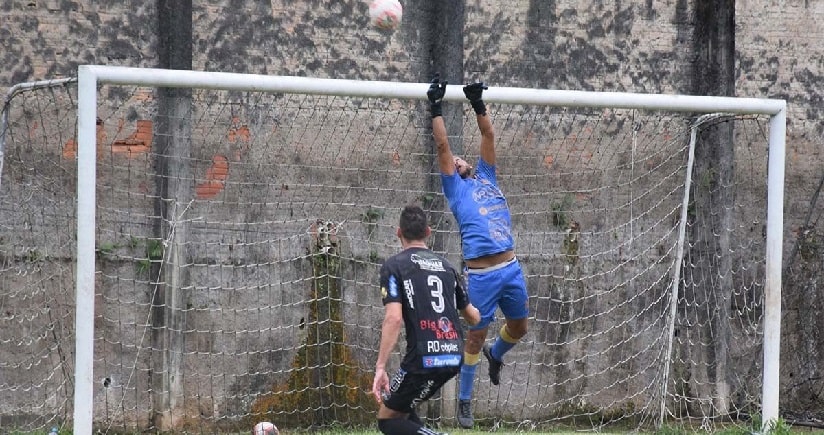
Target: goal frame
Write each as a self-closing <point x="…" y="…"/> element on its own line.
<point x="91" y="76"/>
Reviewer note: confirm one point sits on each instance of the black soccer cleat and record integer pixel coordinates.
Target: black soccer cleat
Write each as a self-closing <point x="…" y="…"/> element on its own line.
<point x="465" y="419"/>
<point x="494" y="366"/>
<point x="423" y="430"/>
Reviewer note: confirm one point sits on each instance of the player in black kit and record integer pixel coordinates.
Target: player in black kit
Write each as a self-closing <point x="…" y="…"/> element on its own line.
<point x="422" y="292"/>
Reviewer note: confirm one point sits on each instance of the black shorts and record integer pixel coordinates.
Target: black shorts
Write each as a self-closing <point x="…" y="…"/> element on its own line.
<point x="407" y="390"/>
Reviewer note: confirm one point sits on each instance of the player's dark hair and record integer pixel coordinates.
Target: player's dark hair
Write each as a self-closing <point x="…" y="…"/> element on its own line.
<point x="413" y="223"/>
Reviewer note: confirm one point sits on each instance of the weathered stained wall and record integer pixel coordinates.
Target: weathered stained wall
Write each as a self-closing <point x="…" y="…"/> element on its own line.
<point x="624" y="46"/>
<point x="637" y="46"/>
<point x="780" y="55"/>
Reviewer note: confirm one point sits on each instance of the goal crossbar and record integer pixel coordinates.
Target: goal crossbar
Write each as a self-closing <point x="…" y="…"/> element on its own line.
<point x="90" y="76"/>
<point x="417" y="91"/>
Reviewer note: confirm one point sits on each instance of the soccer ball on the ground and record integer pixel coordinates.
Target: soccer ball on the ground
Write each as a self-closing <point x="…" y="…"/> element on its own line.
<point x="265" y="428"/>
<point x="385" y="14"/>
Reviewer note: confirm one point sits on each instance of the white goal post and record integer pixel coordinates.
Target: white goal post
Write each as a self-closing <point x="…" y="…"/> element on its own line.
<point x="90" y="77"/>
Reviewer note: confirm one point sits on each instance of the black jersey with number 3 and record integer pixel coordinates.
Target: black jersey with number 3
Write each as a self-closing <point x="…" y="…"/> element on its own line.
<point x="431" y="292"/>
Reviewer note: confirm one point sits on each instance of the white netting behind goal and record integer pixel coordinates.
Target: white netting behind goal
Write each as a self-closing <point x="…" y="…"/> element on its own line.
<point x="239" y="237"/>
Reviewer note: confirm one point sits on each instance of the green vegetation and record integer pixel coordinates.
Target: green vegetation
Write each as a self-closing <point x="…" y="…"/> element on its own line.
<point x="154" y="253"/>
<point x="373" y="256"/>
<point x="33" y="256"/>
<point x="426" y="200"/>
<point x="778" y="427"/>
<point x="104" y="249"/>
<point x="371" y="215"/>
<point x="560" y="212"/>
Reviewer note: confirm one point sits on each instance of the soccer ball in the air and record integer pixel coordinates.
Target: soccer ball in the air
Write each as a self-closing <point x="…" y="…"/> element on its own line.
<point x="265" y="428"/>
<point x="385" y="14"/>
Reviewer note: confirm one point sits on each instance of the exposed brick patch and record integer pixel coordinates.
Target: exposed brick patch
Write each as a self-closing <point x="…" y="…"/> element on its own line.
<point x="70" y="147"/>
<point x="139" y="142"/>
<point x="240" y="136"/>
<point x="215" y="178"/>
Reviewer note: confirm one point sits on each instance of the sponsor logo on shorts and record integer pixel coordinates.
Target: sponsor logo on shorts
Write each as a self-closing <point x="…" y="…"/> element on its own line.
<point x="397" y="380"/>
<point x="425" y="391"/>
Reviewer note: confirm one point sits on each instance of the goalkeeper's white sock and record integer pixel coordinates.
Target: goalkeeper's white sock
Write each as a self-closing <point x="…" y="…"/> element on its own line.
<point x="503" y="344"/>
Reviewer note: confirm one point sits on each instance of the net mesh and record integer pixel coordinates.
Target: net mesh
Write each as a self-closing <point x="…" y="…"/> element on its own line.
<point x="239" y="237"/>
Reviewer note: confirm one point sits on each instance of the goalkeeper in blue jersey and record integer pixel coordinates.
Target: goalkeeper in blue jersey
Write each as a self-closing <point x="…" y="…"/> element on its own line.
<point x="495" y="276"/>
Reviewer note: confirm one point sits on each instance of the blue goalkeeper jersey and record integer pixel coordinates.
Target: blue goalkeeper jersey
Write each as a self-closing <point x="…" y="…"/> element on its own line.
<point x="481" y="210"/>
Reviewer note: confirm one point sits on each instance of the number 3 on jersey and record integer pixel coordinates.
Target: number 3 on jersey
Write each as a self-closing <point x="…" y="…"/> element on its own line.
<point x="436" y="290"/>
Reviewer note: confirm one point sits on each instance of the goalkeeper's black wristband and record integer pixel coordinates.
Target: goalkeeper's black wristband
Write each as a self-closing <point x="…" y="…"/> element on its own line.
<point x="479" y="107"/>
<point x="436" y="109"/>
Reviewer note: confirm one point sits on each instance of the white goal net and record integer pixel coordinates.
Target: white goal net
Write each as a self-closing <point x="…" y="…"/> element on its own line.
<point x="200" y="251"/>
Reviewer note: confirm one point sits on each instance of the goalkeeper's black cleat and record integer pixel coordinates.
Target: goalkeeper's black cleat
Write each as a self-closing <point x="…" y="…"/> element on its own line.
<point x="494" y="366"/>
<point x="465" y="419"/>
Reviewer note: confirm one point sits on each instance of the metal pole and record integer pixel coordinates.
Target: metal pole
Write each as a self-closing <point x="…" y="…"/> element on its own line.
<point x="84" y="298"/>
<point x="772" y="289"/>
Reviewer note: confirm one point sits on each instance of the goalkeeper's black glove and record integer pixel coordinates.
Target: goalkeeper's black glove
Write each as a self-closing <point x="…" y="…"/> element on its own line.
<point x="435" y="94"/>
<point x="474" y="93"/>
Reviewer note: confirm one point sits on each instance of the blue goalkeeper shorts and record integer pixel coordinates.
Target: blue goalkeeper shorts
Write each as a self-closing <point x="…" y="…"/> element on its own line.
<point x="502" y="285"/>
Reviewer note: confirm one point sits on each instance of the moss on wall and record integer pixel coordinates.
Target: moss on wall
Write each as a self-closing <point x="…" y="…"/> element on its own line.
<point x="324" y="374"/>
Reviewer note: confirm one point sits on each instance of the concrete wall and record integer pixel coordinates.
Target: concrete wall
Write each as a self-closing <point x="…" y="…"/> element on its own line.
<point x="627" y="46"/>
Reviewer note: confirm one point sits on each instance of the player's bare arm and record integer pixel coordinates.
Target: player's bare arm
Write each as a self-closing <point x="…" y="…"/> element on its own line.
<point x="392" y="324"/>
<point x="474" y="93"/>
<point x="446" y="161"/>
<point x="487" y="138"/>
